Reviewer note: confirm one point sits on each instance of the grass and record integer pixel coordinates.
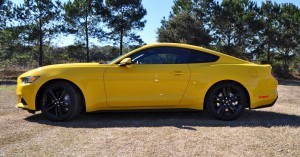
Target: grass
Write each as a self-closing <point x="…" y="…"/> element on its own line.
<point x="272" y="131"/>
<point x="8" y="87"/>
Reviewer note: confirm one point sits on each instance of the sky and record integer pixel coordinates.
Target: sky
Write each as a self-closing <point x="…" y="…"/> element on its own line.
<point x="156" y="10"/>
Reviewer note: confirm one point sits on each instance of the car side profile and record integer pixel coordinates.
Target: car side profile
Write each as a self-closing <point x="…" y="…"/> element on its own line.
<point x="157" y="76"/>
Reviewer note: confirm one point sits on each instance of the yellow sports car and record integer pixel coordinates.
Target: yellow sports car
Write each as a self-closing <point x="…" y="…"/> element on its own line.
<point x="158" y="76"/>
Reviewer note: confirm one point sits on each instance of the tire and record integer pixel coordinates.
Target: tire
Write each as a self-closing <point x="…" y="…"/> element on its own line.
<point x="61" y="101"/>
<point x="226" y="101"/>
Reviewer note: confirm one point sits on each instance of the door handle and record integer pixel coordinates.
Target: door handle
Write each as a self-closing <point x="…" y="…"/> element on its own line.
<point x="178" y="73"/>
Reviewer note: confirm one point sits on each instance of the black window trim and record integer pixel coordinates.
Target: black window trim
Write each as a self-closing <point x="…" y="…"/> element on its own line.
<point x="197" y="51"/>
<point x="188" y="57"/>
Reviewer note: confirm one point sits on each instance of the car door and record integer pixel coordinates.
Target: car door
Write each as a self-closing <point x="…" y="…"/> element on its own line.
<point x="157" y="77"/>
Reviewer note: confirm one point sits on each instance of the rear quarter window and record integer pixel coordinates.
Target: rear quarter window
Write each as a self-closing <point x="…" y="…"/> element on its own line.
<point x="201" y="57"/>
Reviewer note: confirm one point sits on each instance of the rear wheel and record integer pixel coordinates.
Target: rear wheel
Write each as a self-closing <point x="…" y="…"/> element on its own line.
<point x="61" y="101"/>
<point x="226" y="101"/>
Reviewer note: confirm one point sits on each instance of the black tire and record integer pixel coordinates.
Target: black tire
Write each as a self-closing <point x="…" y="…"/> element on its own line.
<point x="226" y="101"/>
<point x="61" y="101"/>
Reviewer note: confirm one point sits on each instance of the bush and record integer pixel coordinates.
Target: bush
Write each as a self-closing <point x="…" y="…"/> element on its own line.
<point x="281" y="72"/>
<point x="11" y="74"/>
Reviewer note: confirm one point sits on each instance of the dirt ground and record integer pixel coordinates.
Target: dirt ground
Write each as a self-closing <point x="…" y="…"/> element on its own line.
<point x="272" y="131"/>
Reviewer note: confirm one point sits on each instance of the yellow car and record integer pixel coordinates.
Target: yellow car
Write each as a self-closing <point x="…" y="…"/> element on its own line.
<point x="157" y="76"/>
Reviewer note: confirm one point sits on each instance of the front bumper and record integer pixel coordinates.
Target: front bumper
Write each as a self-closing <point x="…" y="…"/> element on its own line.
<point x="25" y="107"/>
<point x="26" y="94"/>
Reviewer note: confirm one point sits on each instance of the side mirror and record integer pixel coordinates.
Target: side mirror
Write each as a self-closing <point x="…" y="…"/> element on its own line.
<point x="125" y="62"/>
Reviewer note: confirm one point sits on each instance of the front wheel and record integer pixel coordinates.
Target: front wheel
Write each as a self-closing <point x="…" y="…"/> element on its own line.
<point x="226" y="101"/>
<point x="61" y="101"/>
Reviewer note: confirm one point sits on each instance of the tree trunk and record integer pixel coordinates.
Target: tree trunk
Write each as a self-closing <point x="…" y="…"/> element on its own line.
<point x="87" y="40"/>
<point x="268" y="54"/>
<point x="41" y="53"/>
<point x="285" y="61"/>
<point x="121" y="42"/>
<point x="87" y="46"/>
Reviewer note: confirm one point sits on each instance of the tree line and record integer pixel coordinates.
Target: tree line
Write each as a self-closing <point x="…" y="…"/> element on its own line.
<point x="265" y="33"/>
<point x="28" y="29"/>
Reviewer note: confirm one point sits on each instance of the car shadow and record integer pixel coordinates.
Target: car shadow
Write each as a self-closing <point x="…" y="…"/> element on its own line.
<point x="183" y="120"/>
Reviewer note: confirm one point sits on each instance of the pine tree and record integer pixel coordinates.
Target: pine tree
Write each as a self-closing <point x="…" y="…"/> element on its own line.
<point x="84" y="18"/>
<point x="184" y="28"/>
<point x="123" y="17"/>
<point x="37" y="18"/>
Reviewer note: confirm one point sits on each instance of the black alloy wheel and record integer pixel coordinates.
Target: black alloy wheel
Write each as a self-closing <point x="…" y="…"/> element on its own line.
<point x="61" y="101"/>
<point x="226" y="101"/>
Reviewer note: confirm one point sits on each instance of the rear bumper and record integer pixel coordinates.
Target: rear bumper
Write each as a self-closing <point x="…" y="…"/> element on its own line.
<point x="264" y="94"/>
<point x="267" y="105"/>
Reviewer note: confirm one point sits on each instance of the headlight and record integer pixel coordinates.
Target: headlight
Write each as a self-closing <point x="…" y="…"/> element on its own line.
<point x="29" y="79"/>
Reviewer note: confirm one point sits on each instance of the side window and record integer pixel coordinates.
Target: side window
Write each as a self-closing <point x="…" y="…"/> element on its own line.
<point x="161" y="55"/>
<point x="201" y="57"/>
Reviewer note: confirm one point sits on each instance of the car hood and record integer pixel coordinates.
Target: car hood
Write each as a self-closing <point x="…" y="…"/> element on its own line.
<point x="72" y="65"/>
<point x="39" y="71"/>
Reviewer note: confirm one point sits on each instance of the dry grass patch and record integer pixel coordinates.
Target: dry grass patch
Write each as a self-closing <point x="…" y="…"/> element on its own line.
<point x="272" y="131"/>
<point x="7" y="88"/>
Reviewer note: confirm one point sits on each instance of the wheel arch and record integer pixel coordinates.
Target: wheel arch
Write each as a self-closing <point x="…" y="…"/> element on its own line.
<point x="46" y="84"/>
<point x="228" y="81"/>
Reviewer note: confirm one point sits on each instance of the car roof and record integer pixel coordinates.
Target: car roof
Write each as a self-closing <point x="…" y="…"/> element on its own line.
<point x="223" y="57"/>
